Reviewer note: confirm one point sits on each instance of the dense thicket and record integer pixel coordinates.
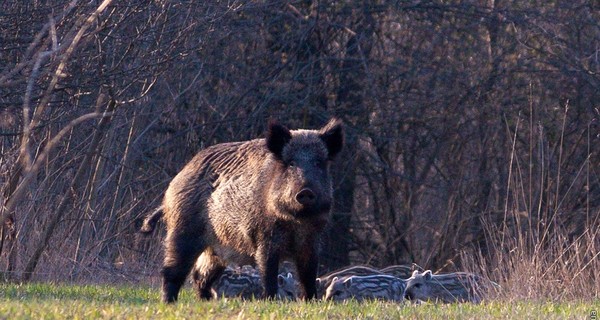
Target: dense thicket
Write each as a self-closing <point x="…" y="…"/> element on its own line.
<point x="465" y="119"/>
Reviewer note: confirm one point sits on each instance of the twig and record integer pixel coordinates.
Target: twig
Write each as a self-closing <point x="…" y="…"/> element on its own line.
<point x="20" y="190"/>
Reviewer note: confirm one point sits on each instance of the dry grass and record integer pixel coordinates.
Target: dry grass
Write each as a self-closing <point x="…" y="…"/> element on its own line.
<point x="561" y="270"/>
<point x="540" y="250"/>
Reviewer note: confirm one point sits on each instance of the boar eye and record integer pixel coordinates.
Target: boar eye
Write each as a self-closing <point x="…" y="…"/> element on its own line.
<point x="292" y="163"/>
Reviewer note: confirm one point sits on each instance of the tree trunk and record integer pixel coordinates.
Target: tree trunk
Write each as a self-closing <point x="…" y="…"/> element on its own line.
<point x="350" y="99"/>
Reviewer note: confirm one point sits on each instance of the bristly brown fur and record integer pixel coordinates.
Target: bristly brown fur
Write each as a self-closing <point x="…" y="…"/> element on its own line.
<point x="263" y="199"/>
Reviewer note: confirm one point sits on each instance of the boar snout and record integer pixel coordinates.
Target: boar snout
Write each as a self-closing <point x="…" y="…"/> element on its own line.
<point x="306" y="197"/>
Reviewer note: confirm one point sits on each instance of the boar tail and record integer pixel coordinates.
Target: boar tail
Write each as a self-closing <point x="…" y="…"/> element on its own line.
<point x="151" y="220"/>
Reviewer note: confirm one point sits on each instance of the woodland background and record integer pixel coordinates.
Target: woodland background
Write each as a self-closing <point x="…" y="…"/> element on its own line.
<point x="472" y="126"/>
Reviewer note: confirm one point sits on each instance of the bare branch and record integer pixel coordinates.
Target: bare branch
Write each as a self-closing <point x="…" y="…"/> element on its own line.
<point x="20" y="190"/>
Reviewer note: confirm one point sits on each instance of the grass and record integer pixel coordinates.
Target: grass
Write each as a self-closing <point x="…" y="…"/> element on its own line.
<point x="61" y="301"/>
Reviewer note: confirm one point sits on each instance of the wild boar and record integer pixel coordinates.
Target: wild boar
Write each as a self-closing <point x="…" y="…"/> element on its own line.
<point x="376" y="286"/>
<point x="263" y="199"/>
<point x="448" y="287"/>
<point x="245" y="283"/>
<point x="324" y="281"/>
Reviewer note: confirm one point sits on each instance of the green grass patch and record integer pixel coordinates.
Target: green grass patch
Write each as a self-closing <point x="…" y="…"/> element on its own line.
<point x="61" y="301"/>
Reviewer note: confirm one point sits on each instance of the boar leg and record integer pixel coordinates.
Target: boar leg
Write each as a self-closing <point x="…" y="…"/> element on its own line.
<point x="181" y="251"/>
<point x="307" y="263"/>
<point x="208" y="268"/>
<point x="268" y="264"/>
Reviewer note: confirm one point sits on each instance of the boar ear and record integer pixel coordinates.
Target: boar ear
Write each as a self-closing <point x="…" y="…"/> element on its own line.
<point x="348" y="283"/>
<point x="333" y="136"/>
<point x="277" y="137"/>
<point x="427" y="275"/>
